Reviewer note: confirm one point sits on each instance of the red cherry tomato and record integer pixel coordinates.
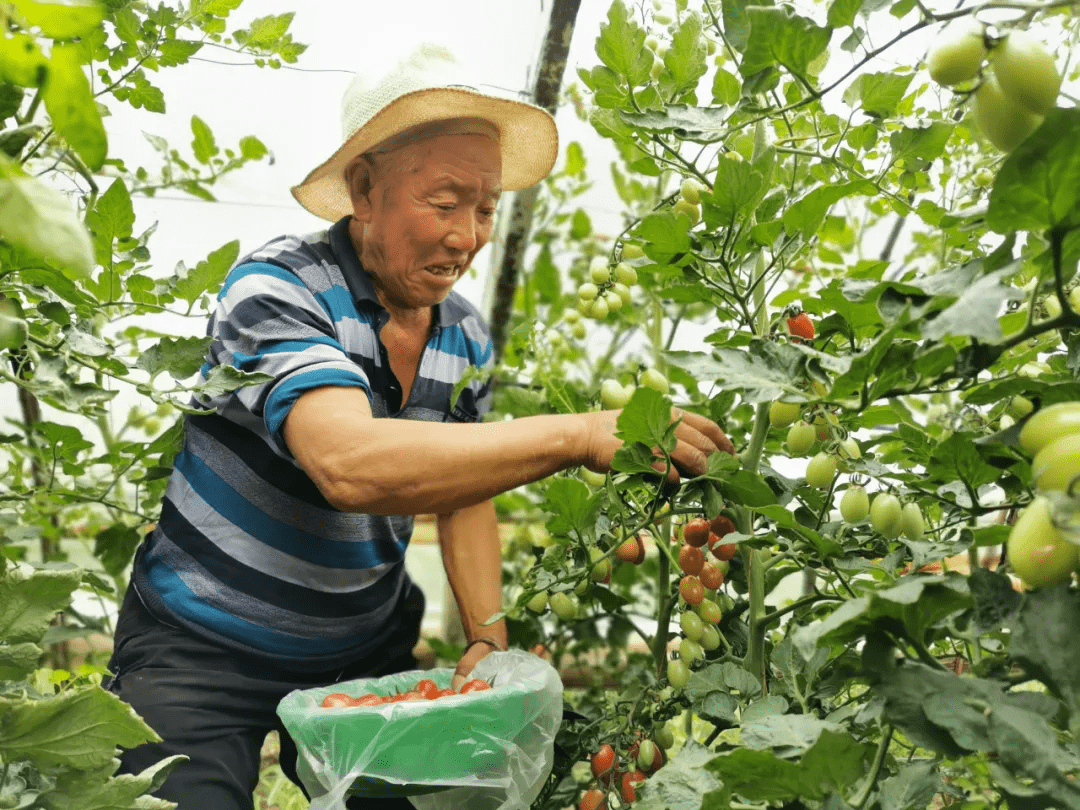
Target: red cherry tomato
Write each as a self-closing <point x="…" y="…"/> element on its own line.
<point x="691" y="589"/>
<point x="594" y="799"/>
<point x="691" y="559"/>
<point x="801" y="326"/>
<point x="426" y="687"/>
<point x="721" y="525"/>
<point x="629" y="783"/>
<point x="603" y="764"/>
<point x="475" y="685"/>
<point x="721" y="550"/>
<point x="711" y="576"/>
<point x="443" y="693"/>
<point x="696" y="532"/>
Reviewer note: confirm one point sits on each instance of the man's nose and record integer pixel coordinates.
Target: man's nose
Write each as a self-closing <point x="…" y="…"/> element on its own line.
<point x="464" y="233"/>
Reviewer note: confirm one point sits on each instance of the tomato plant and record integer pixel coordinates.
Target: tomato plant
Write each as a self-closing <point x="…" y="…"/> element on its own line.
<point x="942" y="231"/>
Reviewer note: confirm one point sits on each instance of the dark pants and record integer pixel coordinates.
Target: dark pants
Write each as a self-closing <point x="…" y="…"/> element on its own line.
<point x="216" y="706"/>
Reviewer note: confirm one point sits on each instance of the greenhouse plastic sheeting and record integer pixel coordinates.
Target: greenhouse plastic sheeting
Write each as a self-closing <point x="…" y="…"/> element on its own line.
<point x="486" y="750"/>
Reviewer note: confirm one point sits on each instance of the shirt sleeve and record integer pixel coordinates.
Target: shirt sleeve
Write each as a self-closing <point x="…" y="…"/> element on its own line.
<point x="267" y="320"/>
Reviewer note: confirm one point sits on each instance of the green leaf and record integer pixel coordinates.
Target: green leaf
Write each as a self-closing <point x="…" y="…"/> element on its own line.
<point x="143" y="95"/>
<point x="203" y="145"/>
<point x="764" y="371"/>
<point x="737" y="189"/>
<point x="21" y="61"/>
<point x="40" y="220"/>
<point x="842" y="12"/>
<point x="181" y="357"/>
<point x="28" y="601"/>
<point x="72" y="108"/>
<point x="681" y="783"/>
<point x="111" y="218"/>
<point x="100" y="790"/>
<point x="912" y="787"/>
<point x="226" y="379"/>
<point x="265" y="31"/>
<point x="545" y="278"/>
<point x="646" y="418"/>
<point x="736" y="23"/>
<point x="115" y="546"/>
<point x="1038" y="186"/>
<point x="878" y="94"/>
<point x="685" y="59"/>
<point x="806" y="215"/>
<point x="62" y="19"/>
<point x="177" y="51"/>
<point x="80" y="728"/>
<point x="667" y="231"/>
<point x="975" y="314"/>
<point x="207" y="276"/>
<point x="621" y="45"/>
<point x="572" y="506"/>
<point x="920" y="143"/>
<point x="726" y="88"/>
<point x="792" y="734"/>
<point x="580" y="224"/>
<point x="698" y="124"/>
<point x="11" y="97"/>
<point x="1041" y="641"/>
<point x="780" y="36"/>
<point x="18" y="660"/>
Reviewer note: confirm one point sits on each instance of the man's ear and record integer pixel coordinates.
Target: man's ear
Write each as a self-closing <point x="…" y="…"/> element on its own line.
<point x="358" y="175"/>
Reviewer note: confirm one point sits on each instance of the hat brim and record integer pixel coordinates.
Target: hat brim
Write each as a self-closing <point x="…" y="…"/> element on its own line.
<point x="528" y="140"/>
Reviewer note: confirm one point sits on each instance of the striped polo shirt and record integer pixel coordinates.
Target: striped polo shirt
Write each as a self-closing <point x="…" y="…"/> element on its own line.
<point x="247" y="551"/>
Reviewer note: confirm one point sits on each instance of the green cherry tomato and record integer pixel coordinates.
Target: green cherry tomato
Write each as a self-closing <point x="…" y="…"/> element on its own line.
<point x="539" y="602"/>
<point x="821" y="470"/>
<point x="855" y="505"/>
<point x="632" y="251"/>
<point x="690" y="651"/>
<point x="885" y="515"/>
<point x="1004" y="122"/>
<point x="710" y="638"/>
<point x="691" y="191"/>
<point x="1019" y="407"/>
<point x="678" y="673"/>
<point x="588" y="291"/>
<point x="1049" y="423"/>
<point x="709" y="611"/>
<point x="598" y="309"/>
<point x="614" y="395"/>
<point x="783" y="414"/>
<point x="691" y="625"/>
<point x="593" y="479"/>
<point x="912" y="525"/>
<point x="1026" y="72"/>
<point x="1057" y="464"/>
<point x="663" y="735"/>
<point x="564" y="606"/>
<point x="1037" y="552"/>
<point x="800" y="438"/>
<point x="651" y="378"/>
<point x="957" y="53"/>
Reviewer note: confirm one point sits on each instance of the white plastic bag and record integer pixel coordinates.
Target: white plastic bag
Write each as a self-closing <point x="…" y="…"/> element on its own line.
<point x="487" y="750"/>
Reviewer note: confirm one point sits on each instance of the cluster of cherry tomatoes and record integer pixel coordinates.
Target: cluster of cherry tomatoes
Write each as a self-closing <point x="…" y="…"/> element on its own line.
<point x="425" y="689"/>
<point x="642" y="759"/>
<point x="1037" y="549"/>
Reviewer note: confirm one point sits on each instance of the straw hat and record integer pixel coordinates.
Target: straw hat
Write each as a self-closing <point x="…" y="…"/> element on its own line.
<point x="422" y="89"/>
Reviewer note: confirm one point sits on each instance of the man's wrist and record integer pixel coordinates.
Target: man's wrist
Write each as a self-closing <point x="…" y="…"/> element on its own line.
<point x="486" y="640"/>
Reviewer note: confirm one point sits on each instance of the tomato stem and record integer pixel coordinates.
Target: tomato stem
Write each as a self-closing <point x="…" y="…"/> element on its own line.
<point x="664" y="605"/>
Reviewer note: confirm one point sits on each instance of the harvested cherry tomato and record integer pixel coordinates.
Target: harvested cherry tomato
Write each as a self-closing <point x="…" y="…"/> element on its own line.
<point x="368" y="700"/>
<point x="337" y="700"/>
<point x="444" y="693"/>
<point x="475" y="685"/>
<point x="426" y="687"/>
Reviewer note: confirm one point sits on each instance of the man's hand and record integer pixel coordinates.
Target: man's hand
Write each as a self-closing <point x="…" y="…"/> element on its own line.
<point x="468" y="663"/>
<point x="696" y="438"/>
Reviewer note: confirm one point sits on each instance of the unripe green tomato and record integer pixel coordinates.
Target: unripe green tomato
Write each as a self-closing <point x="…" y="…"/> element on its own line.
<point x="623" y="292"/>
<point x="614" y="395"/>
<point x="957" y="52"/>
<point x="1037" y="552"/>
<point x="691" y="211"/>
<point x="855" y="505"/>
<point x="539" y="602"/>
<point x="564" y="606"/>
<point x="691" y="625"/>
<point x="632" y="251"/>
<point x="600" y="275"/>
<point x="678" y="673"/>
<point x="691" y="191"/>
<point x="783" y="414"/>
<point x="601" y="569"/>
<point x="1074" y="298"/>
<point x="1002" y="121"/>
<point x="1057" y="464"/>
<point x="581" y="772"/>
<point x="651" y="378"/>
<point x="822" y="429"/>
<point x="588" y="291"/>
<point x="710" y="46"/>
<point x="625" y="274"/>
<point x="690" y="651"/>
<point x="1005" y="422"/>
<point x="1049" y="423"/>
<point x="911" y="522"/>
<point x="662" y="19"/>
<point x="582" y="587"/>
<point x="885" y="515"/>
<point x="710" y="638"/>
<point x="571" y="316"/>
<point x="709" y="611"/>
<point x="663" y="735"/>
<point x="599" y="308"/>
<point x="800" y="438"/>
<point x="579" y="331"/>
<point x="614" y="301"/>
<point x="1026" y="73"/>
<point x="651" y="42"/>
<point x="646" y="758"/>
<point x="593" y="479"/>
<point x="1052" y="306"/>
<point x="657" y="67"/>
<point x="13" y="329"/>
<point x="821" y="470"/>
<point x="1019" y="407"/>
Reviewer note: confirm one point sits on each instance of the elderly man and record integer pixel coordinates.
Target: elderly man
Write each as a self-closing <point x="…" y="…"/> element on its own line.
<point x="278" y="562"/>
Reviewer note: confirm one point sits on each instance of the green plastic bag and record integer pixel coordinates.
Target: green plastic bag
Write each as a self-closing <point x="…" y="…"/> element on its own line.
<point x="488" y="750"/>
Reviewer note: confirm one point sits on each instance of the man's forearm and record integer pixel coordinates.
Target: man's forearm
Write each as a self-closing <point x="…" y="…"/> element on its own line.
<point x="390" y="466"/>
<point x="472" y="557"/>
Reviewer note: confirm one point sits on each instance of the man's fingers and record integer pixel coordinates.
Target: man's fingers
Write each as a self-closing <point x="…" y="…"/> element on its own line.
<point x="707" y="429"/>
<point x="689" y="458"/>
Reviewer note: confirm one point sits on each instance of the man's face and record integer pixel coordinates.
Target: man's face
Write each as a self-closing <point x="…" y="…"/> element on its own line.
<point x="428" y="212"/>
